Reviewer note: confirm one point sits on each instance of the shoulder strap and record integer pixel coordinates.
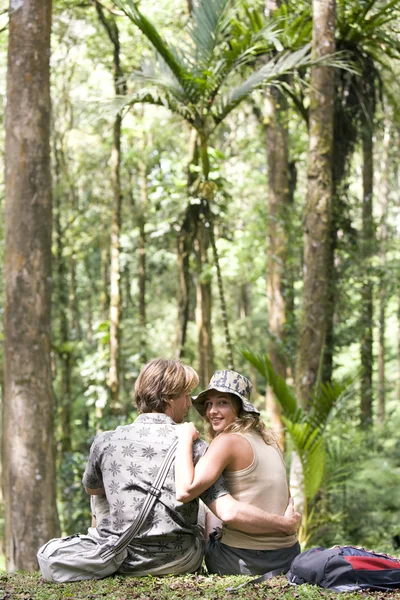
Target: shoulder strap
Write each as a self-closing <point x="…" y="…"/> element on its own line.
<point x="153" y="493"/>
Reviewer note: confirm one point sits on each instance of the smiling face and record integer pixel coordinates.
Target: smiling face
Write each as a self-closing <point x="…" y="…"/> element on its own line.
<point x="221" y="410"/>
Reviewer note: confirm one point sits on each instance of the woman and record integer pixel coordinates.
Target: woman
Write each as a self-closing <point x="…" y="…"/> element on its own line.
<point x="254" y="470"/>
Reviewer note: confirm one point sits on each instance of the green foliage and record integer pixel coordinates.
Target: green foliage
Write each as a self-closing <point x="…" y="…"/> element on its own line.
<point x="74" y="509"/>
<point x="358" y="502"/>
<point x="307" y="429"/>
<point x="198" y="79"/>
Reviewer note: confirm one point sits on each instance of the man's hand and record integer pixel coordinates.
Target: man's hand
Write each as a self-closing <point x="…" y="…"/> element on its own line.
<point x="292" y="518"/>
<point x="187" y="432"/>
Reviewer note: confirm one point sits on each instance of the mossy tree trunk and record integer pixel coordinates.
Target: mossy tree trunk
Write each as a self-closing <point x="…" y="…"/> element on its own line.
<point x="317" y="218"/>
<point x="29" y="456"/>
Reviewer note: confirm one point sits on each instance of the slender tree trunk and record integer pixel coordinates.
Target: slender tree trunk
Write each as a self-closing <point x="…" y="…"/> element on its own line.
<point x="73" y="301"/>
<point x="142" y="210"/>
<point x="398" y="348"/>
<point x="2" y="549"/>
<point x="383" y="202"/>
<point x="203" y="306"/>
<point x="29" y="456"/>
<point x="367" y="243"/>
<point x="65" y="400"/>
<point x="278" y="214"/>
<point x="203" y="284"/>
<point x="105" y="277"/>
<point x="317" y="217"/>
<point x="184" y="248"/>
<point x="111" y="28"/>
<point x="115" y="269"/>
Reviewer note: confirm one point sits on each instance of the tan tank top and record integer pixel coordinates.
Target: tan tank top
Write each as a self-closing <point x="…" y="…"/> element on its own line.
<point x="262" y="484"/>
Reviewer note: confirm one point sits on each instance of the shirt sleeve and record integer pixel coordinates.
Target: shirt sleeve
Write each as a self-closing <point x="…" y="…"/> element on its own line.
<point x="92" y="477"/>
<point x="219" y="487"/>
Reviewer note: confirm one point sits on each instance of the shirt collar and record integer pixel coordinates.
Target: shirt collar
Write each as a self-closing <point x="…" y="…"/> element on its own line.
<point x="155" y="419"/>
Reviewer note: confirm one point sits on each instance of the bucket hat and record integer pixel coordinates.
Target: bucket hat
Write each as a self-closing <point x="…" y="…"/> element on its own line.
<point x="231" y="383"/>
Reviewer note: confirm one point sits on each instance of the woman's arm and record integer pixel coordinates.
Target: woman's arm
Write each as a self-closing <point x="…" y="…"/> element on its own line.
<point x="191" y="481"/>
<point x="96" y="492"/>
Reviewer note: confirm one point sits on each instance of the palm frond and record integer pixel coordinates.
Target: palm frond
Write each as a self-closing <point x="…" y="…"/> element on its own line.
<point x="150" y="95"/>
<point x="243" y="49"/>
<point x="270" y="73"/>
<point x="279" y="386"/>
<point x="324" y="401"/>
<point x="209" y="18"/>
<point x="129" y="7"/>
<point x="309" y="445"/>
<point x="156" y="72"/>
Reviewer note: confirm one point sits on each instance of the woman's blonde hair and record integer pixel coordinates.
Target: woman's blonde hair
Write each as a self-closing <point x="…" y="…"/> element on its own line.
<point x="161" y="380"/>
<point x="245" y="421"/>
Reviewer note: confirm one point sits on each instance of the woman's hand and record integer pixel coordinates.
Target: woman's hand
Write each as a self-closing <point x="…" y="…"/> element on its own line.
<point x="187" y="432"/>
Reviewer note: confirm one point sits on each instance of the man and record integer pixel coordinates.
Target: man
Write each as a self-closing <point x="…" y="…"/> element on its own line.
<point x="122" y="466"/>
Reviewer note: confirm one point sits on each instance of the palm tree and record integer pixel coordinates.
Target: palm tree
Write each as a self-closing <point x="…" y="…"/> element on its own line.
<point x="203" y="79"/>
<point x="306" y="429"/>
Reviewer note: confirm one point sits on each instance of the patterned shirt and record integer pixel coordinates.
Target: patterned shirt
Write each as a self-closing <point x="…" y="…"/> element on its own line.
<point x="125" y="462"/>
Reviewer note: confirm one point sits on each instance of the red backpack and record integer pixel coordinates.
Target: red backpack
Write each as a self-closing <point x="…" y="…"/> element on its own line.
<point x="345" y="569"/>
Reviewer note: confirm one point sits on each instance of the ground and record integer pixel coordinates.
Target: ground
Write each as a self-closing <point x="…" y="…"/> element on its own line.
<point x="30" y="586"/>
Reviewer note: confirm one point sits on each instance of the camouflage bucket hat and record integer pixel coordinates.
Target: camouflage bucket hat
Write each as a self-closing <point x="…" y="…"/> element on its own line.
<point x="229" y="382"/>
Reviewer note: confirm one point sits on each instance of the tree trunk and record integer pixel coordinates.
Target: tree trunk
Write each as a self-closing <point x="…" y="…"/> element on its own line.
<point x="278" y="214"/>
<point x="203" y="306"/>
<point x="74" y="302"/>
<point x="111" y="28"/>
<point x="105" y="277"/>
<point x="367" y="243"/>
<point x="383" y="202"/>
<point x="29" y="457"/>
<point x="203" y="284"/>
<point x="141" y="213"/>
<point x="184" y="248"/>
<point x="317" y="217"/>
<point x="64" y="354"/>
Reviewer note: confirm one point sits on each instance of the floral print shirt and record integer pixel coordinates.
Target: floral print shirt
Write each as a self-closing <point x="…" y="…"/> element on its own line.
<point x="125" y="462"/>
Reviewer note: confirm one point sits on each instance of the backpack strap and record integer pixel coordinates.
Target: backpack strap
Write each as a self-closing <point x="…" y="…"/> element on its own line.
<point x="263" y="577"/>
<point x="153" y="493"/>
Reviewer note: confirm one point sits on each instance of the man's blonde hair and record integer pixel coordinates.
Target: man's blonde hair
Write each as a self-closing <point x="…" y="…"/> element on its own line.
<point x="161" y="380"/>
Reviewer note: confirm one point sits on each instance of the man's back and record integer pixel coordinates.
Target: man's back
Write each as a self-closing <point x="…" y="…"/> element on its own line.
<point x="125" y="462"/>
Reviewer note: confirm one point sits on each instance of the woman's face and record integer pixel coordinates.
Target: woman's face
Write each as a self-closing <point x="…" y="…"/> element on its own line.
<point x="220" y="410"/>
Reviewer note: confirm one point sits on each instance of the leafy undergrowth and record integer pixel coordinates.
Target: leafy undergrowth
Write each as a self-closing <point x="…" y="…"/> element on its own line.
<point x="30" y="586"/>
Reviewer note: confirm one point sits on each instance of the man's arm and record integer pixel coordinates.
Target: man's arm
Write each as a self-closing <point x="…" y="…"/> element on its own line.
<point x="250" y="519"/>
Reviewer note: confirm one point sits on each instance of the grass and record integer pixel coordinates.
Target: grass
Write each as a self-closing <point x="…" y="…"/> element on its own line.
<point x="30" y="586"/>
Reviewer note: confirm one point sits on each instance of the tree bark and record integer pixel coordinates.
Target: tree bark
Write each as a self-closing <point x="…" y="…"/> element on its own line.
<point x="383" y="204"/>
<point x="278" y="214"/>
<point x="65" y="400"/>
<point x="111" y="28"/>
<point x="29" y="456"/>
<point x="367" y="244"/>
<point x="141" y="218"/>
<point x="317" y="217"/>
<point x="185" y="242"/>
<point x="203" y="306"/>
